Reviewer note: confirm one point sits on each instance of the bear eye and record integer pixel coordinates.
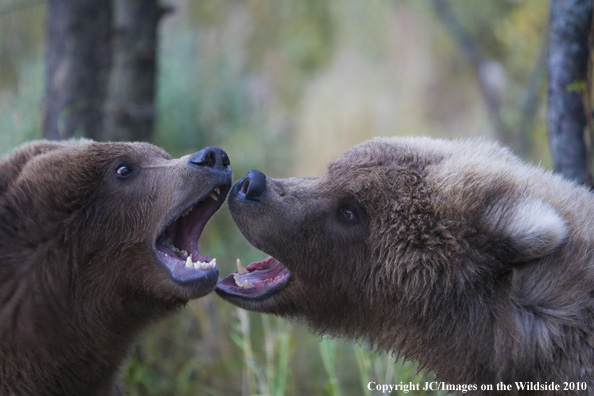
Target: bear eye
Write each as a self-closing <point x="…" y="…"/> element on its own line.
<point x="349" y="214"/>
<point x="124" y="171"/>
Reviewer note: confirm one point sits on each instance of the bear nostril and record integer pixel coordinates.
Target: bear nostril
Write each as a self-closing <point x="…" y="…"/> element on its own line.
<point x="210" y="157"/>
<point x="225" y="158"/>
<point x="244" y="186"/>
<point x="253" y="185"/>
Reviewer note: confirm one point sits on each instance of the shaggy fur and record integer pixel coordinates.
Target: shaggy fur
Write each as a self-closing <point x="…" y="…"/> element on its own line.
<point x="80" y="275"/>
<point x="451" y="253"/>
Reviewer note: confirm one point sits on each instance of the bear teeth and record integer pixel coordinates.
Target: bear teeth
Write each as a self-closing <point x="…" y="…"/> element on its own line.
<point x="201" y="264"/>
<point x="187" y="212"/>
<point x="245" y="284"/>
<point x="167" y="243"/>
<point x="215" y="194"/>
<point x="240" y="269"/>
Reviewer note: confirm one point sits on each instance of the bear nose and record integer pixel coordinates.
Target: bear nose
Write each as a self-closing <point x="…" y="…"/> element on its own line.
<point x="211" y="157"/>
<point x="253" y="185"/>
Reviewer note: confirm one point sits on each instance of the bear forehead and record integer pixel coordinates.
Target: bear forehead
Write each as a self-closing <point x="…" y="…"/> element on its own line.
<point x="73" y="161"/>
<point x="110" y="150"/>
<point x="412" y="153"/>
<point x="95" y="155"/>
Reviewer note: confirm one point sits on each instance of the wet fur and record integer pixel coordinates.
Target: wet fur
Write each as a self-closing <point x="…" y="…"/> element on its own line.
<point x="464" y="259"/>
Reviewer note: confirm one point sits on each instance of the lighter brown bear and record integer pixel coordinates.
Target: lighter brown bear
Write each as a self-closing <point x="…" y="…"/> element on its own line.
<point x="97" y="240"/>
<point x="451" y="253"/>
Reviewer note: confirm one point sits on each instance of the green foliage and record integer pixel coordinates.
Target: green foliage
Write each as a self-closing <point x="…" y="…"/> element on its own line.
<point x="21" y="37"/>
<point x="328" y="354"/>
<point x="20" y="108"/>
<point x="269" y="375"/>
<point x="385" y="369"/>
<point x="519" y="35"/>
<point x="577" y="86"/>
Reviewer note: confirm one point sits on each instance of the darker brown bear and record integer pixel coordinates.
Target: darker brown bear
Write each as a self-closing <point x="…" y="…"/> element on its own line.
<point x="452" y="253"/>
<point x="97" y="240"/>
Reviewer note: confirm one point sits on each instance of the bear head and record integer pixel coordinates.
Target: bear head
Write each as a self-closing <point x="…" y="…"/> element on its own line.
<point x="96" y="241"/>
<point x="422" y="247"/>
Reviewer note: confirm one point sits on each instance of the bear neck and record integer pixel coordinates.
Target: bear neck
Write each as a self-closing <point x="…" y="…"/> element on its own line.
<point x="451" y="334"/>
<point x="448" y="330"/>
<point x="63" y="324"/>
<point x="470" y="332"/>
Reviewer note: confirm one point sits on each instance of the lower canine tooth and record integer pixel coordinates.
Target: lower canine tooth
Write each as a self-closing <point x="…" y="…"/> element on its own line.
<point x="246" y="284"/>
<point x="214" y="196"/>
<point x="189" y="262"/>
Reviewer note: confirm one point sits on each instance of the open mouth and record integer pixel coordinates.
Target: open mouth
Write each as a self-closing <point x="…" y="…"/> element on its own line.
<point x="177" y="245"/>
<point x="260" y="280"/>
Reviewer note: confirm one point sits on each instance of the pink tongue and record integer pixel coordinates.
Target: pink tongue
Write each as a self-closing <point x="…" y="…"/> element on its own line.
<point x="261" y="265"/>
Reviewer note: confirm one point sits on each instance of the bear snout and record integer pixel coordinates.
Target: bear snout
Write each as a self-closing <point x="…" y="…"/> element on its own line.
<point x="253" y="186"/>
<point x="211" y="157"/>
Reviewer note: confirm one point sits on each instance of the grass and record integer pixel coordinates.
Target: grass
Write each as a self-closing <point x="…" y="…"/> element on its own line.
<point x="271" y="375"/>
<point x="328" y="355"/>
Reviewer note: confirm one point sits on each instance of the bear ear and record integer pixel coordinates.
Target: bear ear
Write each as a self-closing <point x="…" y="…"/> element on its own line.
<point x="531" y="227"/>
<point x="12" y="164"/>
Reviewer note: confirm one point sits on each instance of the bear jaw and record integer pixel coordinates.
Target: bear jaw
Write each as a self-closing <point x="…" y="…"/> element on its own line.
<point x="176" y="246"/>
<point x="260" y="281"/>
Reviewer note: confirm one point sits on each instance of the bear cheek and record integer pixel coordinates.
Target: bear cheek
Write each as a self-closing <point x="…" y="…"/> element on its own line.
<point x="294" y="300"/>
<point x="273" y="232"/>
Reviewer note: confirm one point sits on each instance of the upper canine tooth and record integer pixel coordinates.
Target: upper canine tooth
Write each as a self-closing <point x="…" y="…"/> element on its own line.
<point x="213" y="196"/>
<point x="240" y="269"/>
<point x="217" y="190"/>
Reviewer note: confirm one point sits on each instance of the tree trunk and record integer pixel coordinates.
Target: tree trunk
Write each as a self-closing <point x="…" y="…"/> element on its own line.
<point x="568" y="59"/>
<point x="130" y="109"/>
<point x="78" y="61"/>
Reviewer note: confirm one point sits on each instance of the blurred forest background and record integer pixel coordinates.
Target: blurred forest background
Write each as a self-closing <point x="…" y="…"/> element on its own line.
<point x="286" y="86"/>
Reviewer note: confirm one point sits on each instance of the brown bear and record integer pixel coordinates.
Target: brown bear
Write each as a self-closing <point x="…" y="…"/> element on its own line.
<point x="97" y="240"/>
<point x="451" y="253"/>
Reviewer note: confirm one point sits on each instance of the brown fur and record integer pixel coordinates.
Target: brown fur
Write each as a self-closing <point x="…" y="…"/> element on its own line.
<point x="461" y="257"/>
<point x="79" y="277"/>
